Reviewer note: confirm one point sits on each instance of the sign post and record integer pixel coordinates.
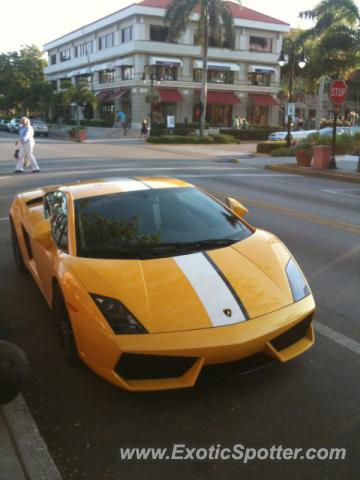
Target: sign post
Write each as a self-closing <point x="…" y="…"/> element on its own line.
<point x="337" y="95"/>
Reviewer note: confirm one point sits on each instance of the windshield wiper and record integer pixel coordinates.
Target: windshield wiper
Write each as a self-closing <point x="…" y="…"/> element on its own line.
<point x="156" y="250"/>
<point x="197" y="245"/>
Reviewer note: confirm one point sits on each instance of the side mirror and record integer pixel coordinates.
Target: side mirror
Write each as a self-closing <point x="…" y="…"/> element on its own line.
<point x="42" y="234"/>
<point x="236" y="207"/>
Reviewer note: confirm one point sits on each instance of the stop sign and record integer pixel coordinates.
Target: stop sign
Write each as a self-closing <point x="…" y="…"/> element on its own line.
<point x="338" y="92"/>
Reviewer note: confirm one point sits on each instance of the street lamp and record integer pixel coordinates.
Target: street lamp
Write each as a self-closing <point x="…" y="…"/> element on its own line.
<point x="301" y="61"/>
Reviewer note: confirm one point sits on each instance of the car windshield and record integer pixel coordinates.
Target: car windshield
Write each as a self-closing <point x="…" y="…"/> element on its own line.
<point x="153" y="223"/>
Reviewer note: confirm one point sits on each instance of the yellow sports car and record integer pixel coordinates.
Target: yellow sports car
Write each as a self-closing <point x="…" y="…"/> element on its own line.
<point x="151" y="279"/>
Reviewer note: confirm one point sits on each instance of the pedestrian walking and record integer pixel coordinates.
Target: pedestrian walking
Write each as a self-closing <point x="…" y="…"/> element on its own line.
<point x="121" y="118"/>
<point x="26" y="147"/>
<point x="144" y="129"/>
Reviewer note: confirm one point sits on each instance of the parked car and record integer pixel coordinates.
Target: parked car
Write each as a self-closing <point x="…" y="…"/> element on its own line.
<point x="13" y="126"/>
<point x="3" y="123"/>
<point x="40" y="127"/>
<point x="295" y="135"/>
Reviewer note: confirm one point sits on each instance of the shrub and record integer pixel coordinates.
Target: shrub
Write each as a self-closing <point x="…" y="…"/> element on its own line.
<point x="282" y="152"/>
<point x="267" y="147"/>
<point x="222" y="138"/>
<point x="97" y="123"/>
<point x="250" y="133"/>
<point x="344" y="143"/>
<point x="181" y="139"/>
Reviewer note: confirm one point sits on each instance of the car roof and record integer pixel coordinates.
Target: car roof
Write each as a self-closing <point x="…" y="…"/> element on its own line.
<point x="94" y="188"/>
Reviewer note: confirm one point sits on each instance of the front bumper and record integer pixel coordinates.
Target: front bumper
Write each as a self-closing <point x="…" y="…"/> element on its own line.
<point x="282" y="335"/>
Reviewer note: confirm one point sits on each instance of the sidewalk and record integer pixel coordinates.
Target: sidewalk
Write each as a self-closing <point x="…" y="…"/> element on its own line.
<point x="345" y="171"/>
<point x="23" y="452"/>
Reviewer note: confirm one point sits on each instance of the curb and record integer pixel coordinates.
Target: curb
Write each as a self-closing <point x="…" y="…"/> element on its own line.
<point x="32" y="451"/>
<point x="333" y="175"/>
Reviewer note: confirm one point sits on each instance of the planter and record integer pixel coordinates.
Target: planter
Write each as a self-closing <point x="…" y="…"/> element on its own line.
<point x="78" y="134"/>
<point x="322" y="155"/>
<point x="303" y="158"/>
<point x="81" y="135"/>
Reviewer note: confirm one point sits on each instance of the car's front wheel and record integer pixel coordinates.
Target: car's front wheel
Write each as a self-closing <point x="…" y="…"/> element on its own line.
<point x="18" y="258"/>
<point x="65" y="330"/>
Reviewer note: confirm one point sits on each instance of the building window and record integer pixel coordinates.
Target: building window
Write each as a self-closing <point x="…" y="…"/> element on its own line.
<point x="54" y="85"/>
<point x="107" y="41"/>
<point x="107" y="111"/>
<point x="256" y="114"/>
<point x="127" y="72"/>
<point x="53" y="59"/>
<point x="158" y="33"/>
<point x="83" y="49"/>
<point x="260" y="44"/>
<point x="215" y="76"/>
<point x="65" y="55"/>
<point x="164" y="72"/>
<point x="107" y="76"/>
<point x="86" y="78"/>
<point x="127" y="34"/>
<point x="262" y="79"/>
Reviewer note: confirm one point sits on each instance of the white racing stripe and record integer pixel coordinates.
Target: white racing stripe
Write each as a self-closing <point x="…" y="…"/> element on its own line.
<point x="128" y="184"/>
<point x="211" y="289"/>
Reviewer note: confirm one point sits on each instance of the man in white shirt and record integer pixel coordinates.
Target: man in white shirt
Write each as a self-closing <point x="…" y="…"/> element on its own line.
<point x="27" y="143"/>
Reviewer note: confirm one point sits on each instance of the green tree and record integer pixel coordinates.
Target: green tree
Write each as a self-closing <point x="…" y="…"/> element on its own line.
<point x="80" y="95"/>
<point x="334" y="39"/>
<point x="18" y="72"/>
<point x="215" y="22"/>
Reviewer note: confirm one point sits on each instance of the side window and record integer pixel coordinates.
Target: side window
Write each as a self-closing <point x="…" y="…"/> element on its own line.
<point x="55" y="209"/>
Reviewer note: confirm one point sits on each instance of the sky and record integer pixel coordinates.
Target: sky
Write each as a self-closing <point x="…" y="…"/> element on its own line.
<point x="25" y="22"/>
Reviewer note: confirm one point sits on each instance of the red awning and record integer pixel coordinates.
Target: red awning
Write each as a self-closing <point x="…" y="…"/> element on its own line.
<point x="263" y="99"/>
<point x="102" y="95"/>
<point x="220" y="98"/>
<point x="117" y="93"/>
<point x="170" y="95"/>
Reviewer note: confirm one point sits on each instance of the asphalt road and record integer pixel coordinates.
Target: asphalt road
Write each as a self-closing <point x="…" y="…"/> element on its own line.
<point x="312" y="401"/>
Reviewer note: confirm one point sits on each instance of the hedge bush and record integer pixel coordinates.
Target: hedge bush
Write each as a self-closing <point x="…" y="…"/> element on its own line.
<point x="181" y="139"/>
<point x="195" y="139"/>
<point x="222" y="138"/>
<point x="250" y="133"/>
<point x="267" y="147"/>
<point x="97" y="123"/>
<point x="344" y="143"/>
<point x="282" y="152"/>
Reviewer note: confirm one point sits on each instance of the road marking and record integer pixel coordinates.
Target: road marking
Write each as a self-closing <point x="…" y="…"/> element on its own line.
<point x="335" y="262"/>
<point x="337" y="337"/>
<point x="4" y="218"/>
<point x="344" y="193"/>
<point x="348" y="227"/>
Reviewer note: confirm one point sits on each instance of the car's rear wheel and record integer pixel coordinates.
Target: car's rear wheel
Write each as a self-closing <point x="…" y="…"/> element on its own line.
<point x="18" y="257"/>
<point x="65" y="330"/>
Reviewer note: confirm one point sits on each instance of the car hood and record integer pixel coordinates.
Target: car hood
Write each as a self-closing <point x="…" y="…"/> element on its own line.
<point x="198" y="290"/>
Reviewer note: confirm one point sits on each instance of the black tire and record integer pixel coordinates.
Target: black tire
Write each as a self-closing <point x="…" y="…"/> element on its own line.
<point x="18" y="257"/>
<point x="64" y="327"/>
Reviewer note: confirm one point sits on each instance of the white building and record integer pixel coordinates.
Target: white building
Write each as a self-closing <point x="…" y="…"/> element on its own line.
<point x="114" y="55"/>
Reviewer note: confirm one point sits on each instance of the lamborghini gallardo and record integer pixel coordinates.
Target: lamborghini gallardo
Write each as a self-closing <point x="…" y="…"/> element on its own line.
<point x="152" y="279"/>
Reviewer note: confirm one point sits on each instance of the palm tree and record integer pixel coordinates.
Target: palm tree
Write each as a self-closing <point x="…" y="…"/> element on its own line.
<point x="215" y="22"/>
<point x="80" y="95"/>
<point x="336" y="35"/>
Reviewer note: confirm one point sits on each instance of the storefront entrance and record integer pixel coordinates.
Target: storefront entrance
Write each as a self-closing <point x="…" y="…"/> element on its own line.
<point x="216" y="115"/>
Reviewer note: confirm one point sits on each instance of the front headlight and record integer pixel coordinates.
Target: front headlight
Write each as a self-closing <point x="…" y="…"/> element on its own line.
<point x="298" y="284"/>
<point x="119" y="318"/>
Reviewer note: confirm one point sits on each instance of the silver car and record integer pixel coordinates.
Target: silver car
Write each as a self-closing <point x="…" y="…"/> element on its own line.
<point x="40" y="127"/>
<point x="295" y="135"/>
